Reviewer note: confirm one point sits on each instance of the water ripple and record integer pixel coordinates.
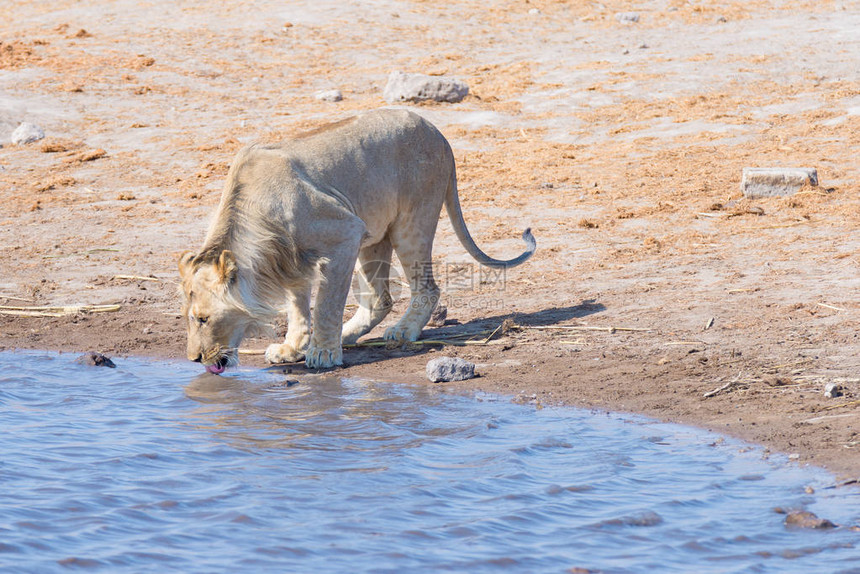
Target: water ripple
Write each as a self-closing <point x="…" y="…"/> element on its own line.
<point x="153" y="466"/>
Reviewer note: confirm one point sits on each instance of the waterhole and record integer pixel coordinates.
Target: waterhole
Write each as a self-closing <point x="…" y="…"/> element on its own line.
<point x="154" y="467"/>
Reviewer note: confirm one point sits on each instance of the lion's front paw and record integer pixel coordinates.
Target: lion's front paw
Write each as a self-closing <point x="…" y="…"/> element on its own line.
<point x="322" y="358"/>
<point x="405" y="333"/>
<point x="285" y="353"/>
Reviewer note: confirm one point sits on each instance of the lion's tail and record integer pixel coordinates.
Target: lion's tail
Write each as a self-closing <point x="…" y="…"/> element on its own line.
<point x="452" y="204"/>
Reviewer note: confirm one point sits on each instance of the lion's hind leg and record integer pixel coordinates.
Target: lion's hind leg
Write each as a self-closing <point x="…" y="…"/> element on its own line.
<point x="298" y="328"/>
<point x="415" y="256"/>
<point x="372" y="291"/>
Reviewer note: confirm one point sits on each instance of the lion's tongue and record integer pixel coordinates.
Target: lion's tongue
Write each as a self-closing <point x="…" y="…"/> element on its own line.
<point x="216" y="369"/>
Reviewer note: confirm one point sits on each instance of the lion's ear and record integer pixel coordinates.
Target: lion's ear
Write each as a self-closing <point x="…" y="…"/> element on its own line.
<point x="227" y="266"/>
<point x="185" y="263"/>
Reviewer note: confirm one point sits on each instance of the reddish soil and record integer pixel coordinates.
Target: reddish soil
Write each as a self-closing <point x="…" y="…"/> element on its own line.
<point x="621" y="145"/>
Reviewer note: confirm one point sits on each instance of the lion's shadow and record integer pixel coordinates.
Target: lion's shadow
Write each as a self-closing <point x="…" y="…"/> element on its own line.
<point x="363" y="355"/>
<point x="543" y="318"/>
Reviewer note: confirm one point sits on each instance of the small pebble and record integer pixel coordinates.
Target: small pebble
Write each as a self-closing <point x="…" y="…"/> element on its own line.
<point x="832" y="390"/>
<point x="627" y="17"/>
<point x="447" y="369"/>
<point x="27" y="133"/>
<point x="806" y="519"/>
<point x="403" y="87"/>
<point x="776" y="181"/>
<point x="329" y="96"/>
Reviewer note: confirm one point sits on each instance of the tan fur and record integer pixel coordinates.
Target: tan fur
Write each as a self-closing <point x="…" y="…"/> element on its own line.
<point x="350" y="192"/>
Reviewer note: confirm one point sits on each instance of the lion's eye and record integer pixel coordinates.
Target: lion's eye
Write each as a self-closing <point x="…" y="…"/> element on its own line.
<point x="202" y="320"/>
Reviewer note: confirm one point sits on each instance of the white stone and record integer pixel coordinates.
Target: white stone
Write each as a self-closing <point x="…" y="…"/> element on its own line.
<point x="832" y="390"/>
<point x="403" y="87"/>
<point x="329" y="96"/>
<point x="27" y="133"/>
<point x="776" y="181"/>
<point x="627" y="17"/>
<point x="446" y="369"/>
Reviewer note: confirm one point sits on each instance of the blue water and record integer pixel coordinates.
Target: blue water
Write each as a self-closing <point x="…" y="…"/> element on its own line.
<point x="155" y="467"/>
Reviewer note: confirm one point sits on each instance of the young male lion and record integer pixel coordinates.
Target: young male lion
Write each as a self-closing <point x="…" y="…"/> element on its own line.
<point x="353" y="190"/>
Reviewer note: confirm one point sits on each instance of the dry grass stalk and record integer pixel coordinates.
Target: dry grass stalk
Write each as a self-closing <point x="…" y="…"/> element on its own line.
<point x="137" y="278"/>
<point x="252" y="351"/>
<point x="11" y="298"/>
<point x="793" y="364"/>
<point x="493" y="334"/>
<point x="839" y="406"/>
<point x="56" y="311"/>
<point x="723" y="388"/>
<point x="29" y="313"/>
<point x="825" y="305"/>
<point x="586" y="328"/>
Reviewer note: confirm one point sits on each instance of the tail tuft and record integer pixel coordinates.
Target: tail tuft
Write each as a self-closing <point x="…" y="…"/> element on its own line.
<point x="531" y="242"/>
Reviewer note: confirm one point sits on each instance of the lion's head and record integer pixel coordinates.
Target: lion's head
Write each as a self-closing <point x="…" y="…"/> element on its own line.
<point x="216" y="322"/>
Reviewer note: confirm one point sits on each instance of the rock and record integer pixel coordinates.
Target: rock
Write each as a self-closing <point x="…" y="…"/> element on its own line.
<point x="832" y="390"/>
<point x="403" y="87"/>
<point x="447" y="369"/>
<point x="646" y="518"/>
<point x="329" y="96"/>
<point x="776" y="181"/>
<point x="27" y="133"/>
<point x="627" y="17"/>
<point x="806" y="519"/>
<point x="94" y="359"/>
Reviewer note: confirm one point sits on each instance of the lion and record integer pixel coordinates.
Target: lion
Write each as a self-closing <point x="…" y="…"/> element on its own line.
<point x="337" y="199"/>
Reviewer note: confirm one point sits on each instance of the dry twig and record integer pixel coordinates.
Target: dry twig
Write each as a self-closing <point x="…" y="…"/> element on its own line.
<point x="725" y="387"/>
<point x="56" y="311"/>
<point x="137" y="278"/>
<point x="586" y="328"/>
<point x="839" y="406"/>
<point x="11" y="298"/>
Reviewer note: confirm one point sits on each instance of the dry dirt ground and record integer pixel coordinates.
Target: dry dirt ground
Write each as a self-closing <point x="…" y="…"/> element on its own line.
<point x="620" y="144"/>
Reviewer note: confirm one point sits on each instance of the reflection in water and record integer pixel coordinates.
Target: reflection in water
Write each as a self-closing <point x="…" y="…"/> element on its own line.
<point x="344" y="414"/>
<point x="153" y="466"/>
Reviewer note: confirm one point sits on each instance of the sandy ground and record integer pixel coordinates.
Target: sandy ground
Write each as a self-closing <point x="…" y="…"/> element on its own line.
<point x="620" y="144"/>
